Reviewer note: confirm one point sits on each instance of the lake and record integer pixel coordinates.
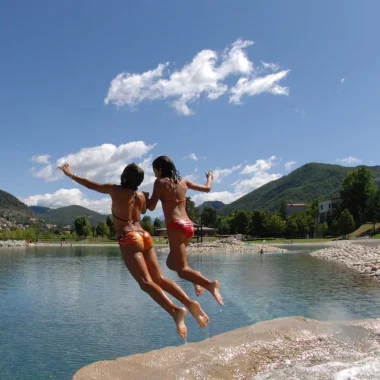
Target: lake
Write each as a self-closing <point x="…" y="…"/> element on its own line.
<point x="62" y="308"/>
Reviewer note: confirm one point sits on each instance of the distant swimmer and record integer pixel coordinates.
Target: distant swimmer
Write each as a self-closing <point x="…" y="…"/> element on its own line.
<point x="137" y="246"/>
<point x="171" y="190"/>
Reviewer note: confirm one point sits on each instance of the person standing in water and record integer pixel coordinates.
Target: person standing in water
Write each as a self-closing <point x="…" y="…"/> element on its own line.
<point x="171" y="190"/>
<point x="137" y="246"/>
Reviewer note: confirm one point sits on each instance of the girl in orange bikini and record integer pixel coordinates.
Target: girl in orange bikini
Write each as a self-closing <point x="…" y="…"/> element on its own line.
<point x="137" y="247"/>
<point x="171" y="190"/>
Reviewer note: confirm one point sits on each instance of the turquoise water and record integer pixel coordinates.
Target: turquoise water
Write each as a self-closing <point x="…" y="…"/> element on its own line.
<point x="62" y="308"/>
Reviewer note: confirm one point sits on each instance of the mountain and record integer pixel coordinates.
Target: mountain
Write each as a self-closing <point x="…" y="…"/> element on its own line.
<point x="304" y="184"/>
<point x="40" y="210"/>
<point x="212" y="204"/>
<point x="66" y="215"/>
<point x="13" y="208"/>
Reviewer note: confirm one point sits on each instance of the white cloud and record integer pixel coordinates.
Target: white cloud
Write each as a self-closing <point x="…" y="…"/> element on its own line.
<point x="258" y="180"/>
<point x="259" y="176"/>
<point x="43" y="159"/>
<point x="104" y="163"/>
<point x="203" y="75"/>
<point x="67" y="197"/>
<point x="219" y="174"/>
<point x="259" y="166"/>
<point x="300" y="111"/>
<point x="289" y="165"/>
<point x="223" y="196"/>
<point x="257" y="86"/>
<point x="192" y="156"/>
<point x="342" y="80"/>
<point x="271" y="66"/>
<point x="349" y="161"/>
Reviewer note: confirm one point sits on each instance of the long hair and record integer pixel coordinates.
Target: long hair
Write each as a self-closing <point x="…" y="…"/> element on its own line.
<point x="132" y="177"/>
<point x="168" y="169"/>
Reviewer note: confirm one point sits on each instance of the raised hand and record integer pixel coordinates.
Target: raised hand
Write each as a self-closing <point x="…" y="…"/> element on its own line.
<point x="66" y="169"/>
<point x="210" y="175"/>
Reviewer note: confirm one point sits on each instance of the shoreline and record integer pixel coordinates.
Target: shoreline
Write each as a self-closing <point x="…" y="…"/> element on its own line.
<point x="361" y="258"/>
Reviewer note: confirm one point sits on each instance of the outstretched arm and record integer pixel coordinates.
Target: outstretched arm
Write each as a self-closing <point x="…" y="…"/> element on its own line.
<point x="105" y="188"/>
<point x="152" y="202"/>
<point x="204" y="188"/>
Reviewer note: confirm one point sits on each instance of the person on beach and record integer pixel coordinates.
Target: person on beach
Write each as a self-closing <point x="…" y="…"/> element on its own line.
<point x="171" y="190"/>
<point x="136" y="245"/>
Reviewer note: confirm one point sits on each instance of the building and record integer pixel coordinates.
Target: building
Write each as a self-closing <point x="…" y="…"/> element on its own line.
<point x="328" y="205"/>
<point x="292" y="208"/>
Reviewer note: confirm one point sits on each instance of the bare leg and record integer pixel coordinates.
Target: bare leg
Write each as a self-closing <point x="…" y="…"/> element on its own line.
<point x="135" y="263"/>
<point x="179" y="257"/>
<point x="170" y="262"/>
<point x="172" y="288"/>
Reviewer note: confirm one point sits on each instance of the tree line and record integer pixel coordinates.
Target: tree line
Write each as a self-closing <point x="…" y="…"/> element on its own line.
<point x="360" y="203"/>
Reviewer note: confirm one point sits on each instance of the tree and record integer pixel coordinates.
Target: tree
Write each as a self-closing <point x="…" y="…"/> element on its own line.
<point x="222" y="225"/>
<point x="82" y="226"/>
<point x="257" y="224"/>
<point x="146" y="224"/>
<point x="191" y="210"/>
<point x="300" y="218"/>
<point x="356" y="191"/>
<point x="346" y="223"/>
<point x="373" y="207"/>
<point x="323" y="229"/>
<point x="239" y="221"/>
<point x="158" y="223"/>
<point x="291" y="228"/>
<point x="110" y="225"/>
<point x="313" y="208"/>
<point x="102" y="229"/>
<point x="209" y="217"/>
<point x="283" y="211"/>
<point x="275" y="225"/>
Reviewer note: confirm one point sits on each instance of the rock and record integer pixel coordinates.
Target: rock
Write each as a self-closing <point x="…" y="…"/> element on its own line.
<point x="228" y="245"/>
<point x="245" y="352"/>
<point x="362" y="259"/>
<point x="12" y="243"/>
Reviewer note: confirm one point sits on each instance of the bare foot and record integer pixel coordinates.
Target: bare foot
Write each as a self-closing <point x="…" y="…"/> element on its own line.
<point x="199" y="315"/>
<point x="179" y="319"/>
<point x="214" y="290"/>
<point x="198" y="290"/>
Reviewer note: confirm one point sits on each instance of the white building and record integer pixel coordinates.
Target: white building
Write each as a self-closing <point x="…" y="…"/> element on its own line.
<point x="327" y="205"/>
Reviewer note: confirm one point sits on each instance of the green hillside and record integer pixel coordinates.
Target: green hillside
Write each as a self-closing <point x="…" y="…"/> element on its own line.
<point x="212" y="204"/>
<point x="300" y="186"/>
<point x="66" y="215"/>
<point x="40" y="210"/>
<point x="13" y="208"/>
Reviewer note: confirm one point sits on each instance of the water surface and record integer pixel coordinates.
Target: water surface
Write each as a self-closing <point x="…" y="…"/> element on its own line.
<point x="62" y="308"/>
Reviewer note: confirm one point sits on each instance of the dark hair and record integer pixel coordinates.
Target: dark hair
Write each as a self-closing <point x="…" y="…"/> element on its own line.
<point x="132" y="177"/>
<point x="168" y="169"/>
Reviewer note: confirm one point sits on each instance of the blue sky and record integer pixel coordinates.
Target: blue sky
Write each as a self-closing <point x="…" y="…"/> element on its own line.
<point x="244" y="88"/>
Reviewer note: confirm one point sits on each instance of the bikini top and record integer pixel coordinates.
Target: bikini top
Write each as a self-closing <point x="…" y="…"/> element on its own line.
<point x="124" y="220"/>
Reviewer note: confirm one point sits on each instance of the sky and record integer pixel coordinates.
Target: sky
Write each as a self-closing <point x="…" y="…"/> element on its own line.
<point x="250" y="89"/>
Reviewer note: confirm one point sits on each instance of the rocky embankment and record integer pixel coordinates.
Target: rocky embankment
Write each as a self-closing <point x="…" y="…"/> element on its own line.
<point x="12" y="243"/>
<point x="362" y="259"/>
<point x="249" y="352"/>
<point x="228" y="245"/>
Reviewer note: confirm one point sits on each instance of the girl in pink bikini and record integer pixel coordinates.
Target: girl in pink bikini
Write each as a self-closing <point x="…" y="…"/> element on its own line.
<point x="136" y="245"/>
<point x="171" y="190"/>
